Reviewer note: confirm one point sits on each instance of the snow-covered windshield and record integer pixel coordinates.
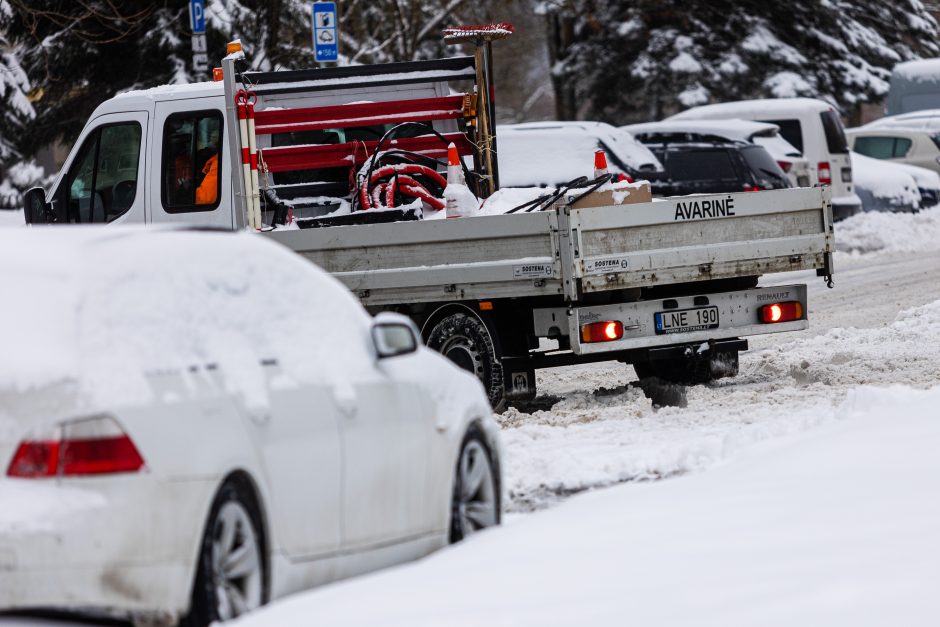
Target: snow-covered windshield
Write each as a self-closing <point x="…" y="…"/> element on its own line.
<point x="552" y="156"/>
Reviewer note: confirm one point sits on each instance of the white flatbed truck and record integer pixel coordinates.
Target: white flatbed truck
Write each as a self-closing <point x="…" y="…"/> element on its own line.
<point x="669" y="286"/>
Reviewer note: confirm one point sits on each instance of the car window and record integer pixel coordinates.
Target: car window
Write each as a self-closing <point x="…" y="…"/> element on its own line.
<point x="835" y="136"/>
<point x="791" y="130"/>
<point x="700" y="164"/>
<point x="192" y="158"/>
<point x="102" y="182"/>
<point x="764" y="168"/>
<point x="882" y="147"/>
<point x="876" y="147"/>
<point x="901" y="146"/>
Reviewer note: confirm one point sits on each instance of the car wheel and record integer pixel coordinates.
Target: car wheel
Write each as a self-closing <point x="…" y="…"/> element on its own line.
<point x="465" y="341"/>
<point x="230" y="573"/>
<point x="476" y="499"/>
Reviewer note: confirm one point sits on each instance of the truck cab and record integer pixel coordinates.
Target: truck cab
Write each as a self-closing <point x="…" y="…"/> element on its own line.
<point x="144" y="157"/>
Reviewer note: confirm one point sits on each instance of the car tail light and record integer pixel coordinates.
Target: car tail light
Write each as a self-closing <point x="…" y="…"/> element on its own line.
<point x="825" y="173"/>
<point x="35" y="458"/>
<point x="606" y="331"/>
<point x="785" y="166"/>
<point x="93" y="446"/>
<point x="781" y="312"/>
<point x="752" y="188"/>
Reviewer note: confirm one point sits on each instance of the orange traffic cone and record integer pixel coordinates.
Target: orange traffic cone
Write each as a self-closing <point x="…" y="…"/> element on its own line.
<point x="458" y="199"/>
<point x="454" y="171"/>
<point x="600" y="163"/>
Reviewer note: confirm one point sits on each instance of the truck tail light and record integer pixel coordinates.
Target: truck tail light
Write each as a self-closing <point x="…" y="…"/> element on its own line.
<point x="606" y="331"/>
<point x="93" y="446"/>
<point x="825" y="173"/>
<point x="781" y="312"/>
<point x="785" y="165"/>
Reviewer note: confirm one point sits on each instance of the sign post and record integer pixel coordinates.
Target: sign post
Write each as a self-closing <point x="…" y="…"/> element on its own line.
<point x="197" y="21"/>
<point x="325" y="32"/>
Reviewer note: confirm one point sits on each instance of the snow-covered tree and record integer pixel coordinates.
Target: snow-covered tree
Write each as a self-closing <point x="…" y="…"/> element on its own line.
<point x="14" y="88"/>
<point x="643" y="59"/>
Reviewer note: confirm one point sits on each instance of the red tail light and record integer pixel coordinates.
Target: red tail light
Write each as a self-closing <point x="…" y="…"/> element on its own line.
<point x="785" y="166"/>
<point x="35" y="459"/>
<point x="781" y="312"/>
<point x="825" y="173"/>
<point x="752" y="188"/>
<point x="94" y="446"/>
<point x="606" y="331"/>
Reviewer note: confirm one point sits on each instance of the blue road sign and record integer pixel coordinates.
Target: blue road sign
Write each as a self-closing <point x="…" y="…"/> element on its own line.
<point x="197" y="16"/>
<point x="325" y="34"/>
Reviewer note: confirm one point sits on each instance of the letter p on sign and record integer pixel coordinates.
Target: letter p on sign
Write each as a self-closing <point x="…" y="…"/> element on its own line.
<point x="197" y="16"/>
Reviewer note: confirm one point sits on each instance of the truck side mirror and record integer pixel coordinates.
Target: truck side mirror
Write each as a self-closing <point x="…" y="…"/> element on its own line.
<point x="35" y="208"/>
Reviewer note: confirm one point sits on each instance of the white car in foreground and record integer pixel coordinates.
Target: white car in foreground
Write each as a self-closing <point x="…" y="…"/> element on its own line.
<point x="193" y="424"/>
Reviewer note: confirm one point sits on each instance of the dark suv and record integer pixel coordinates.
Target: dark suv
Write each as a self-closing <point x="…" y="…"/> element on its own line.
<point x="702" y="164"/>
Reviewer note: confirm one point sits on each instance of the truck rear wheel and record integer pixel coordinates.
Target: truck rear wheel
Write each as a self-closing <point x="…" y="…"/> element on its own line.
<point x="465" y="340"/>
<point x="690" y="370"/>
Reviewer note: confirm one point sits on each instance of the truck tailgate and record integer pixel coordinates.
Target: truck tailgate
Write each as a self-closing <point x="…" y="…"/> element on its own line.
<point x="695" y="238"/>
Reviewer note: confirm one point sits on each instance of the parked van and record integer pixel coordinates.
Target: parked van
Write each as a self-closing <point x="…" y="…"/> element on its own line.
<point x="812" y="126"/>
<point x="915" y="86"/>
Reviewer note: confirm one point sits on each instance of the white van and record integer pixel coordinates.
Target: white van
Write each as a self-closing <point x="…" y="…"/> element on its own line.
<point x="812" y="126"/>
<point x="915" y="86"/>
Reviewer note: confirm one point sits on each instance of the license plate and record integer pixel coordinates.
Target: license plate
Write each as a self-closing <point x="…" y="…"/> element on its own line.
<point x="686" y="320"/>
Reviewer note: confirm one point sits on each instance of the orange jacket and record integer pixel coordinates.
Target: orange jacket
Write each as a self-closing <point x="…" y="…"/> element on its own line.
<point x="208" y="190"/>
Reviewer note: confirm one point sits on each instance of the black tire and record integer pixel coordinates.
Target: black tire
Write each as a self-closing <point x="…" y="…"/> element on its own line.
<point x="689" y="371"/>
<point x="206" y="605"/>
<point x="464" y="340"/>
<point x="468" y="512"/>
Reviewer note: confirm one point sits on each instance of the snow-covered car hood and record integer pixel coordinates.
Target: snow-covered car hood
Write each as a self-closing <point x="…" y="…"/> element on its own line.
<point x="883" y="186"/>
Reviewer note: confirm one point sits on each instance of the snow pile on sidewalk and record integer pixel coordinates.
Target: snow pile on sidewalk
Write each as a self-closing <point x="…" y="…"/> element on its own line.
<point x="891" y="232"/>
<point x="833" y="527"/>
<point x="11" y="218"/>
<point x="612" y="434"/>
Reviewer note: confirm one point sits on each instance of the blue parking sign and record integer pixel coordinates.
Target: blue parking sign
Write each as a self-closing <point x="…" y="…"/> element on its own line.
<point x="325" y="33"/>
<point x="197" y="16"/>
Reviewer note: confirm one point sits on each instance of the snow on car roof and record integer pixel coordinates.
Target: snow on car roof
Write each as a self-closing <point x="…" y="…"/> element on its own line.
<point x="551" y="153"/>
<point x="745" y="108"/>
<point x="919" y="70"/>
<point x="732" y="129"/>
<point x="103" y="305"/>
<point x="927" y="119"/>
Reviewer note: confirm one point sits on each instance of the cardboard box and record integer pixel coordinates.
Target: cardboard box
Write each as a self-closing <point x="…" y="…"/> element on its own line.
<point x="638" y="192"/>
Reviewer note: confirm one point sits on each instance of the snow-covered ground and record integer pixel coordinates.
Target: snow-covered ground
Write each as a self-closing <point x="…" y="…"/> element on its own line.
<point x="837" y="526"/>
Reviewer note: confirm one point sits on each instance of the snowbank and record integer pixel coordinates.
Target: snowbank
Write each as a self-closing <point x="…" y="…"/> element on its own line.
<point x="889" y="232"/>
<point x="833" y="527"/>
<point x="11" y="218"/>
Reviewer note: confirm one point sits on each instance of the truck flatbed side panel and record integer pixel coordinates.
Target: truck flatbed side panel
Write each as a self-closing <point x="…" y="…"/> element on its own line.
<point x="437" y="260"/>
<point x="702" y="237"/>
